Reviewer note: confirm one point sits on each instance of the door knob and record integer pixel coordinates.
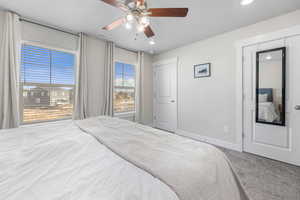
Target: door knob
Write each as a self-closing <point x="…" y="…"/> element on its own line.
<point x="297" y="107"/>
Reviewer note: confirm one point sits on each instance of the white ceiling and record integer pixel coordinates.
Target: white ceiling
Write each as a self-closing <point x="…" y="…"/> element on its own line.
<point x="206" y="18"/>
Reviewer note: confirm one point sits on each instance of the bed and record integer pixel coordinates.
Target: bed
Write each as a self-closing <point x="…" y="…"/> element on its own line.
<point x="267" y="109"/>
<point x="111" y="159"/>
<point x="267" y="112"/>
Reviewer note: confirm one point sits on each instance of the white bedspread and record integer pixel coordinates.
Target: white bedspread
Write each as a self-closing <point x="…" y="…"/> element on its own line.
<point x="59" y="162"/>
<point x="267" y="112"/>
<point x="194" y="170"/>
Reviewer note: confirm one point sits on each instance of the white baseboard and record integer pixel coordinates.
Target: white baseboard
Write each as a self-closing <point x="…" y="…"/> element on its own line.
<point x="148" y="124"/>
<point x="209" y="140"/>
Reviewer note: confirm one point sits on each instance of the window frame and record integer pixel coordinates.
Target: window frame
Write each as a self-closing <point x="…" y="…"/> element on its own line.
<point x="131" y="113"/>
<point x="21" y="99"/>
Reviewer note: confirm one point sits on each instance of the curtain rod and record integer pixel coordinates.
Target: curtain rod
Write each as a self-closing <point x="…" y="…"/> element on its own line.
<point x="47" y="26"/>
<point x="133" y="51"/>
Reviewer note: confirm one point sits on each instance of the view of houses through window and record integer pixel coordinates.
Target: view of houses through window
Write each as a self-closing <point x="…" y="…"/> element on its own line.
<point x="47" y="83"/>
<point x="124" y="90"/>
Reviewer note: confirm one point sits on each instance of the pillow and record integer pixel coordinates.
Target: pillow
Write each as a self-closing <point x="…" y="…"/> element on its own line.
<point x="263" y="98"/>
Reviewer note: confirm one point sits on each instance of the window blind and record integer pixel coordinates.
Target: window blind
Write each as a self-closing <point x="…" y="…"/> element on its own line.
<point x="46" y="66"/>
<point x="48" y="84"/>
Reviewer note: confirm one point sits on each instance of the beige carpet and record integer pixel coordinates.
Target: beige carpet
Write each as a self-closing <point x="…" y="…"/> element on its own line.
<point x="266" y="179"/>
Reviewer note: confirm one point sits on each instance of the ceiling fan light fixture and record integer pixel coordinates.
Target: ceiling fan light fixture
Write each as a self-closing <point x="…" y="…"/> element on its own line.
<point x="131" y="4"/>
<point x="138" y="14"/>
<point x="140" y="28"/>
<point x="269" y="57"/>
<point x="144" y="21"/>
<point x="129" y="18"/>
<point x="128" y="26"/>
<point x="246" y="2"/>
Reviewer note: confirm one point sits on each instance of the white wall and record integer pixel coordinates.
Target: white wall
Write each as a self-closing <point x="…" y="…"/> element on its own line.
<point x="270" y="74"/>
<point x="206" y="106"/>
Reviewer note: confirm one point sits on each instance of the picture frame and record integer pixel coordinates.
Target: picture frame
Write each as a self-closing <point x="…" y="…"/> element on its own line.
<point x="202" y="70"/>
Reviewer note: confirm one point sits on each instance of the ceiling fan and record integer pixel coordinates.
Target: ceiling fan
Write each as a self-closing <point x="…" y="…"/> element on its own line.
<point x="137" y="10"/>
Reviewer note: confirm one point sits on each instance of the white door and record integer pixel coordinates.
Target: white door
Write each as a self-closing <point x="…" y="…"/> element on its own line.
<point x="165" y="95"/>
<point x="279" y="142"/>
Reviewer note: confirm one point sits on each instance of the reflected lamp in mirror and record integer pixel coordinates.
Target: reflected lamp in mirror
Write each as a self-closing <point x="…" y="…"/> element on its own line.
<point x="270" y="86"/>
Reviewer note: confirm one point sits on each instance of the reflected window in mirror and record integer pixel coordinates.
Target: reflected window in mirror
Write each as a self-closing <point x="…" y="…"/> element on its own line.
<point x="270" y="86"/>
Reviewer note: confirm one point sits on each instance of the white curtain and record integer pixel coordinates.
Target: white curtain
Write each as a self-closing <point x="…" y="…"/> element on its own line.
<point x="138" y="90"/>
<point x="9" y="71"/>
<point x="80" y="111"/>
<point x="109" y="78"/>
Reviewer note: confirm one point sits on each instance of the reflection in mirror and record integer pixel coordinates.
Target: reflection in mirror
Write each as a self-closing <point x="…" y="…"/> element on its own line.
<point x="270" y="87"/>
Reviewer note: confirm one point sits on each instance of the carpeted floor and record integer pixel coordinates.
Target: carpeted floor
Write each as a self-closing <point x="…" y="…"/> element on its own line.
<point x="266" y="179"/>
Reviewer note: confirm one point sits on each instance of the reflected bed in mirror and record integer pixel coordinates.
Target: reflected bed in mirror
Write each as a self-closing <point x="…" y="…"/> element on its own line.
<point x="270" y="86"/>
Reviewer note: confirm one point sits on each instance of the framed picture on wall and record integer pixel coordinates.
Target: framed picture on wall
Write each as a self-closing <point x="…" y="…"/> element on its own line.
<point x="202" y="70"/>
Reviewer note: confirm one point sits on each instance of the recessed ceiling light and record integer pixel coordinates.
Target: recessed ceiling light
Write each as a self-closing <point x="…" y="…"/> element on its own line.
<point x="246" y="2"/>
<point x="269" y="57"/>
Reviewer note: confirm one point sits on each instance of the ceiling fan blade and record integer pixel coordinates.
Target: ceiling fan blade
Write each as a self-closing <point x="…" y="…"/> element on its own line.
<point x="116" y="4"/>
<point x="141" y="2"/>
<point x="112" y="2"/>
<point x="148" y="32"/>
<point x="168" y="12"/>
<point x="115" y="24"/>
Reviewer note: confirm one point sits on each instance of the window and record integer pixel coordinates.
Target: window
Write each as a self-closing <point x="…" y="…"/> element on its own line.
<point x="124" y="90"/>
<point x="45" y="72"/>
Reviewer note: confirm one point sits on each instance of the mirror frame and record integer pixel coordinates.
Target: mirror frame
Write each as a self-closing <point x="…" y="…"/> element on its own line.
<point x="283" y="115"/>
